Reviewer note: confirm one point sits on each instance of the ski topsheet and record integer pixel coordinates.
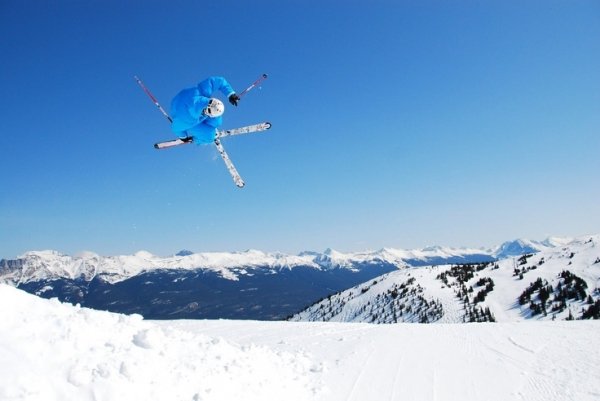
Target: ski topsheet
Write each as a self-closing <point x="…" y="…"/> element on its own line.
<point x="244" y="130"/>
<point x="220" y="134"/>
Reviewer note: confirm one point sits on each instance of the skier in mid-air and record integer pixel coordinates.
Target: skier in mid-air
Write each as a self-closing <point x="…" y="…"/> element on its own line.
<point x="196" y="114"/>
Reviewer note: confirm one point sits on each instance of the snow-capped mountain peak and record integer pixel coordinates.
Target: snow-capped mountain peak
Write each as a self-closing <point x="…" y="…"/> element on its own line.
<point x="517" y="247"/>
<point x="552" y="242"/>
<point x="87" y="255"/>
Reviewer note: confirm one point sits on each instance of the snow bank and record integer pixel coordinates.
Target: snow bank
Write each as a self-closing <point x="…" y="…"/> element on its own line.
<point x="54" y="351"/>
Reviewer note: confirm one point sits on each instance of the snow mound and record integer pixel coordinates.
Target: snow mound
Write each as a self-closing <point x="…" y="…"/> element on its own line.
<point x="54" y="351"/>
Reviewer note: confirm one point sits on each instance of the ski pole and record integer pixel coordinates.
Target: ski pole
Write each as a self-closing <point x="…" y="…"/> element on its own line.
<point x="139" y="81"/>
<point x="248" y="89"/>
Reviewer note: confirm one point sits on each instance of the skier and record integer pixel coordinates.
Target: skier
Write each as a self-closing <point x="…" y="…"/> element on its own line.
<point x="196" y="114"/>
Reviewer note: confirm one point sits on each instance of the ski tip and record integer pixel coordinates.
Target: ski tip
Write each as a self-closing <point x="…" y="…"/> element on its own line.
<point x="240" y="184"/>
<point x="156" y="146"/>
<point x="268" y="124"/>
<point x="265" y="76"/>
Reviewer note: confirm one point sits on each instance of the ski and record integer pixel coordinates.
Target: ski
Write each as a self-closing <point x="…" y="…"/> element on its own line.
<point x="244" y="130"/>
<point x="172" y="143"/>
<point x="237" y="179"/>
<point x="220" y="134"/>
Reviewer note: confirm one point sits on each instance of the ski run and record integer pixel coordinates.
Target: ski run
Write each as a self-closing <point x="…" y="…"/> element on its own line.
<point x="52" y="351"/>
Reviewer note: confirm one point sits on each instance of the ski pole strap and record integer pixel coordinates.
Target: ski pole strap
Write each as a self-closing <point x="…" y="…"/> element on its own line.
<point x="254" y="84"/>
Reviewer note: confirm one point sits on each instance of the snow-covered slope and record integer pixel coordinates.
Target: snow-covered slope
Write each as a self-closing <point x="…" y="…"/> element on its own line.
<point x="58" y="352"/>
<point x="557" y="283"/>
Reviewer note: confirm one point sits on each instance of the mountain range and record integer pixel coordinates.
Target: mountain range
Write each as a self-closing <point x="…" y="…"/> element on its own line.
<point x="240" y="285"/>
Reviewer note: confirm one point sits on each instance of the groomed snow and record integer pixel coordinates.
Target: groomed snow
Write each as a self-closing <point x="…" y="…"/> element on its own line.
<point x="54" y="351"/>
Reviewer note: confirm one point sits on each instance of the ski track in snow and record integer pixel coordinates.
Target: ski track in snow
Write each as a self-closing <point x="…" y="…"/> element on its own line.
<point x="548" y="361"/>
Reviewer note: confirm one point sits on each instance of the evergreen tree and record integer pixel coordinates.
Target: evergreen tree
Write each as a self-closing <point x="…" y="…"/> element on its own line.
<point x="570" y="317"/>
<point x="592" y="312"/>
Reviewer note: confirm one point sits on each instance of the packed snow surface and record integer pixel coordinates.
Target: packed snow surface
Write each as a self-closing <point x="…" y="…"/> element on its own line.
<point x="54" y="351"/>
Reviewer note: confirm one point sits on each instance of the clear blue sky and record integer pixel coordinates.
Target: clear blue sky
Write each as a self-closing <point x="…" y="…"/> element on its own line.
<point x="395" y="124"/>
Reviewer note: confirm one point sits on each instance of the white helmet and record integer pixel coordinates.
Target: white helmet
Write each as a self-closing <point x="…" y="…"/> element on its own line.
<point x="215" y="108"/>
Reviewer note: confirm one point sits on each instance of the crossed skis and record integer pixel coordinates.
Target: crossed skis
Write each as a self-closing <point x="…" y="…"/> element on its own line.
<point x="237" y="179"/>
<point x="220" y="134"/>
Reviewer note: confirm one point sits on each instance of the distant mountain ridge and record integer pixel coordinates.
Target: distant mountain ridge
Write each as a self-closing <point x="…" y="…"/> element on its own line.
<point x="36" y="265"/>
<point x="248" y="285"/>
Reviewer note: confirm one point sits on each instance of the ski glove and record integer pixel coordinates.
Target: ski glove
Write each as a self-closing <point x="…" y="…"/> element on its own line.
<point x="234" y="99"/>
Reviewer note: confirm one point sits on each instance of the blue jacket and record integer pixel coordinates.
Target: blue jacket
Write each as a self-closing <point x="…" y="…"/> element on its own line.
<point x="187" y="107"/>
